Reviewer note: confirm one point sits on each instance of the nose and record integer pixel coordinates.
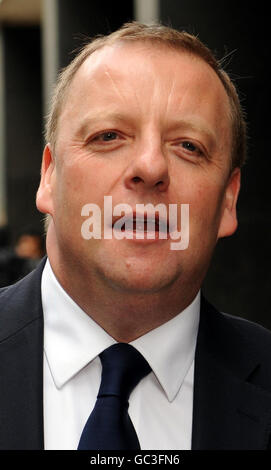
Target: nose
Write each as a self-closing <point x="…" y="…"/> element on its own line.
<point x="148" y="169"/>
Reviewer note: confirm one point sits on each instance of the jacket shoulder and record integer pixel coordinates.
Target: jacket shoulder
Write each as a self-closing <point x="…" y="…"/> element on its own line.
<point x="255" y="333"/>
<point x="255" y="341"/>
<point x="20" y="303"/>
<point x="239" y="345"/>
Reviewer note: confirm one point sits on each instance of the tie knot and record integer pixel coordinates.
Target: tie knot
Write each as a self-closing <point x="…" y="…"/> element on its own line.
<point x="123" y="368"/>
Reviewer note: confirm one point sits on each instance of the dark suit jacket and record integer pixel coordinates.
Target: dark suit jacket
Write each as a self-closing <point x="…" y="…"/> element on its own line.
<point x="232" y="386"/>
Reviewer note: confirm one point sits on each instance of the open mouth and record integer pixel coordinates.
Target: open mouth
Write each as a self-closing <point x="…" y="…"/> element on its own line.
<point x="152" y="225"/>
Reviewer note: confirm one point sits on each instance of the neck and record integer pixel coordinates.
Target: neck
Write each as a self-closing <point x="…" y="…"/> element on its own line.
<point x="124" y="315"/>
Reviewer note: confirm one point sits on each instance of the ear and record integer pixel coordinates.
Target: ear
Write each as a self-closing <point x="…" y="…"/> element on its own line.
<point x="228" y="222"/>
<point x="44" y="200"/>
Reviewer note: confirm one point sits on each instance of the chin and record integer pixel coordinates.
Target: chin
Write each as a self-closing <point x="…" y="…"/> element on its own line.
<point x="140" y="282"/>
<point x="142" y="272"/>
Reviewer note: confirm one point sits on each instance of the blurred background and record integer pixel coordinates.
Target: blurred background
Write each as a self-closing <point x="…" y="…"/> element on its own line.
<point x="39" y="37"/>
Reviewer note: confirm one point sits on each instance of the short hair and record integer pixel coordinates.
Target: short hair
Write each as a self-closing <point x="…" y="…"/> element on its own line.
<point x="162" y="35"/>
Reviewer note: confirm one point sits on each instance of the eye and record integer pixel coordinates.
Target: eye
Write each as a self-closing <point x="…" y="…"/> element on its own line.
<point x="106" y="136"/>
<point x="106" y="140"/>
<point x="189" y="149"/>
<point x="187" y="145"/>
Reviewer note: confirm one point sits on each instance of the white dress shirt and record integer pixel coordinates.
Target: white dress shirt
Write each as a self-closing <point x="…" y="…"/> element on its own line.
<point x="161" y="404"/>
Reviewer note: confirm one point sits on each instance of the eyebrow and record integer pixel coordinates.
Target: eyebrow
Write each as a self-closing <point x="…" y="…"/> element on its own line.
<point x="99" y="117"/>
<point x="196" y="125"/>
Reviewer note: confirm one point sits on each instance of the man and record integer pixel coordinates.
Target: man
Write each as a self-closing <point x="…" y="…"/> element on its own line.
<point x="143" y="116"/>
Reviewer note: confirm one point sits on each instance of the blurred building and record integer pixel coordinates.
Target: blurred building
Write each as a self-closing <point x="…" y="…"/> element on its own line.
<point x="38" y="37"/>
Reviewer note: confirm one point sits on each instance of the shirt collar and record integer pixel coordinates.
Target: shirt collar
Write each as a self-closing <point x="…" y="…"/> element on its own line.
<point x="170" y="348"/>
<point x="72" y="339"/>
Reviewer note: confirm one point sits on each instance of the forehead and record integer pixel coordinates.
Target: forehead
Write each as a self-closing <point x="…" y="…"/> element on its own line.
<point x="140" y="77"/>
<point x="129" y="59"/>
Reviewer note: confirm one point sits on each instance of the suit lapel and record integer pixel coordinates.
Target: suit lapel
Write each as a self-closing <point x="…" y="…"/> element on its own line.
<point x="229" y="412"/>
<point x="21" y="365"/>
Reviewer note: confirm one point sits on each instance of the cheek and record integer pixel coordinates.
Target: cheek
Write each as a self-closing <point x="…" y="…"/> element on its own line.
<point x="69" y="197"/>
<point x="78" y="183"/>
<point x="195" y="189"/>
<point x="204" y="194"/>
<point x="205" y="212"/>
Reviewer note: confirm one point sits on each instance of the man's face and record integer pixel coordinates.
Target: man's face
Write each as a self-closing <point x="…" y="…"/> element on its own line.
<point x="144" y="125"/>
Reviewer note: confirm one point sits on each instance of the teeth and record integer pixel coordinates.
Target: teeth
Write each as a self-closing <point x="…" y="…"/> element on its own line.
<point x="144" y="225"/>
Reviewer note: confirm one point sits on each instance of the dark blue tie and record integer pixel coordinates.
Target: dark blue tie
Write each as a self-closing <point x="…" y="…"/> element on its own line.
<point x="109" y="426"/>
